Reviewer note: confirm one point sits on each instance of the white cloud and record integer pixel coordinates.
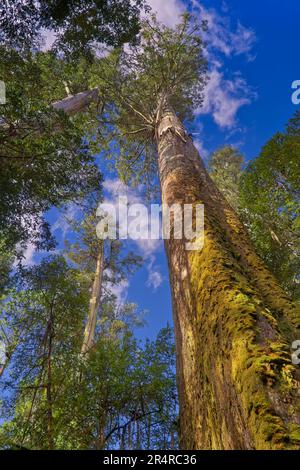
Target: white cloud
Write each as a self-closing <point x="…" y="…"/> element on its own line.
<point x="168" y="11"/>
<point x="120" y="291"/>
<point x="224" y="7"/>
<point x="223" y="98"/>
<point x="48" y="38"/>
<point x="201" y="148"/>
<point x="198" y="140"/>
<point x="29" y="251"/>
<point x="221" y="36"/>
<point x="155" y="278"/>
<point x="28" y="255"/>
<point x="116" y="188"/>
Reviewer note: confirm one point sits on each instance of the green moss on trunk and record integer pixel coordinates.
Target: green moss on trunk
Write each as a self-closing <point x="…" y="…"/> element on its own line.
<point x="234" y="325"/>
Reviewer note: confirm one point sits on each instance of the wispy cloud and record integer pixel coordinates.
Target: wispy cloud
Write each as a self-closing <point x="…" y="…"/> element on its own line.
<point x="222" y="36"/>
<point x="28" y="255"/>
<point x="223" y="98"/>
<point x="167" y="11"/>
<point x="115" y="188"/>
<point x="155" y="278"/>
<point x="199" y="144"/>
<point x="48" y="38"/>
<point x="120" y="291"/>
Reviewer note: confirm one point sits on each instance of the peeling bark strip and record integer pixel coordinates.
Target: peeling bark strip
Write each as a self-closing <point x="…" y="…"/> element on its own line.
<point x="238" y="388"/>
<point x="70" y="105"/>
<point x="75" y="103"/>
<point x="89" y="332"/>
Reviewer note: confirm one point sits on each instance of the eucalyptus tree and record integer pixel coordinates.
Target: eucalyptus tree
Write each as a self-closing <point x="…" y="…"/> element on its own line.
<point x="105" y="264"/>
<point x="238" y="388"/>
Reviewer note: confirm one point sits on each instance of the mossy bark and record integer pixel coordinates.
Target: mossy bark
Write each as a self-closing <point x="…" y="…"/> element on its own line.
<point x="234" y="325"/>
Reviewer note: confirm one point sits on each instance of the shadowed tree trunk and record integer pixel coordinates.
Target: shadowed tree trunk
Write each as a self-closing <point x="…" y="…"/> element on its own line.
<point x="89" y="332"/>
<point x="238" y="388"/>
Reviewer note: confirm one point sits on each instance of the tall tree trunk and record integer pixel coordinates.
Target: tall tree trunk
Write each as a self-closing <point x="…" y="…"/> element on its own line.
<point x="238" y="388"/>
<point x="89" y="332"/>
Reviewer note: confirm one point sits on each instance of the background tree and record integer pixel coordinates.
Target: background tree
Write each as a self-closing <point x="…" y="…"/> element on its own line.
<point x="35" y="135"/>
<point x="105" y="262"/>
<point x="225" y="169"/>
<point x="271" y="196"/>
<point x="266" y="196"/>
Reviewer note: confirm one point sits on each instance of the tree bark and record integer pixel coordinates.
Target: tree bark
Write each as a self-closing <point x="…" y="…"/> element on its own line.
<point x="4" y="366"/>
<point x="234" y="325"/>
<point x="75" y="103"/>
<point x="89" y="332"/>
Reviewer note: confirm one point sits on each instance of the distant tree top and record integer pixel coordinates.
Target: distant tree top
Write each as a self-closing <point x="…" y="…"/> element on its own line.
<point x="78" y="24"/>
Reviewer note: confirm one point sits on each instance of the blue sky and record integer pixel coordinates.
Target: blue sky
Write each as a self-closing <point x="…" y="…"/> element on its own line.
<point x="253" y="62"/>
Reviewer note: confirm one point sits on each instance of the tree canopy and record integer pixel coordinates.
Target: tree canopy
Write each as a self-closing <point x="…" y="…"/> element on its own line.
<point x="79" y="27"/>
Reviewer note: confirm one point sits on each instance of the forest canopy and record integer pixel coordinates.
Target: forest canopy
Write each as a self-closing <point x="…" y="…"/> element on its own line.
<point x="112" y="107"/>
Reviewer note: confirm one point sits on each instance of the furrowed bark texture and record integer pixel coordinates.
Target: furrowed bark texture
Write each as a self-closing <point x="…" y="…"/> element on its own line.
<point x="89" y="332"/>
<point x="234" y="325"/>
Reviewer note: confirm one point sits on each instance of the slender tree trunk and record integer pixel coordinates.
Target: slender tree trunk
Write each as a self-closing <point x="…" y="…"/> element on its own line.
<point x="49" y="397"/>
<point x="3" y="366"/>
<point x="100" y="440"/>
<point x="238" y="388"/>
<point x="89" y="332"/>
